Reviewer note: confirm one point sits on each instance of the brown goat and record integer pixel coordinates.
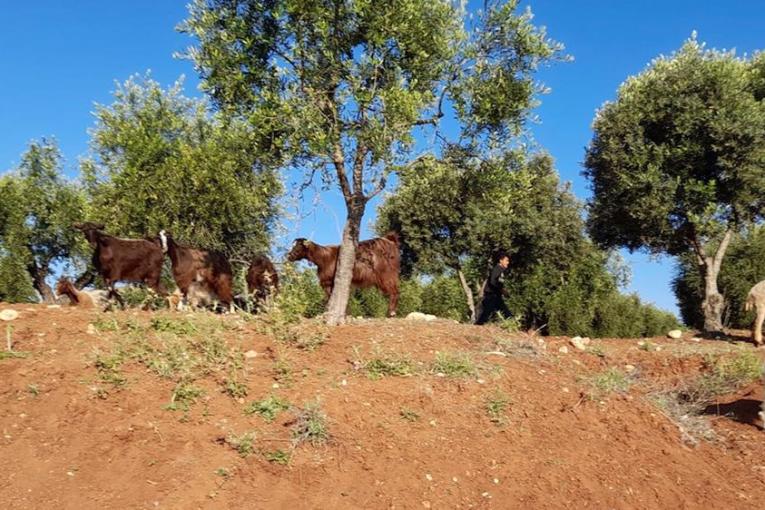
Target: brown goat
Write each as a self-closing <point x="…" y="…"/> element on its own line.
<point x="116" y="259"/>
<point x="199" y="272"/>
<point x="262" y="279"/>
<point x="377" y="265"/>
<point x="82" y="298"/>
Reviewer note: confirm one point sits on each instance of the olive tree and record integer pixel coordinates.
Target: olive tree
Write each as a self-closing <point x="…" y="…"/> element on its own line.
<point x="37" y="210"/>
<point x="677" y="161"/>
<point x="160" y="160"/>
<point x="339" y="88"/>
<point x="454" y="212"/>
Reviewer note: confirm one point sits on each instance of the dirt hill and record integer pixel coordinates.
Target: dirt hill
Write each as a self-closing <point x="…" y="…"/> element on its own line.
<point x="142" y="410"/>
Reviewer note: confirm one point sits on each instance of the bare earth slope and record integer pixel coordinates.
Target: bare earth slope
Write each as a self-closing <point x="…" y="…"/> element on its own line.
<point x="72" y="437"/>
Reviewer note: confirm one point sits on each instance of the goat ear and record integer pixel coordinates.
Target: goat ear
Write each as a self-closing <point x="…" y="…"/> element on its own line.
<point x="308" y="243"/>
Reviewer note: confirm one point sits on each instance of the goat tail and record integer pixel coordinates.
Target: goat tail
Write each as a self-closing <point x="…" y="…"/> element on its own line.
<point x="392" y="236"/>
<point x="751" y="302"/>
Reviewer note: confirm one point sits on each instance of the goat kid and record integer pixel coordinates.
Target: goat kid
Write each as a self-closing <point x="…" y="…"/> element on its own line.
<point x="98" y="299"/>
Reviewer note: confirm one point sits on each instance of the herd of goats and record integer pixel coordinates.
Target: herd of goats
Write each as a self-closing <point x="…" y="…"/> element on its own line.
<point x="204" y="278"/>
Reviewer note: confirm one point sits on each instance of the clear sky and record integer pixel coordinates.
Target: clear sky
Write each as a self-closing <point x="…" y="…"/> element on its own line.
<point x="58" y="58"/>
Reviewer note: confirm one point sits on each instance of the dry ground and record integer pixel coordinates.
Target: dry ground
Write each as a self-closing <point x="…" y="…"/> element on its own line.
<point x="504" y="421"/>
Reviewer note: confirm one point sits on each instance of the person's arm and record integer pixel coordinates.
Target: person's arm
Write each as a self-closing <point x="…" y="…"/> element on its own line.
<point x="495" y="284"/>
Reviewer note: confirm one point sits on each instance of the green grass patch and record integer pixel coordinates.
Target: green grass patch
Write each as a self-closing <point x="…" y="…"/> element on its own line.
<point x="496" y="404"/>
<point x="268" y="408"/>
<point x="389" y="365"/>
<point x="243" y="444"/>
<point x="13" y="355"/>
<point x="278" y="457"/>
<point x="184" y="396"/>
<point x="454" y="364"/>
<point x="610" y="381"/>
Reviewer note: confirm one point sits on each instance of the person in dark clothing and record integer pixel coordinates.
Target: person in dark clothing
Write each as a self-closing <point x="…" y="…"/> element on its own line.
<point x="492" y="295"/>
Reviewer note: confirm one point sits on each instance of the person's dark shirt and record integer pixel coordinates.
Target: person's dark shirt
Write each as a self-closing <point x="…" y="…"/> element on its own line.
<point x="495" y="284"/>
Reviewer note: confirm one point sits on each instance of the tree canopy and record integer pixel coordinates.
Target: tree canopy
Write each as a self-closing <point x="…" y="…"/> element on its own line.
<point x="676" y="161"/>
<point x="161" y="161"/>
<point x="339" y="87"/>
<point x="38" y="208"/>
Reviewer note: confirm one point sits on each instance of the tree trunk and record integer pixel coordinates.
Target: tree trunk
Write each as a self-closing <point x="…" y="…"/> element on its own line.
<point x="468" y="295"/>
<point x="341" y="290"/>
<point x="38" y="275"/>
<point x="714" y="302"/>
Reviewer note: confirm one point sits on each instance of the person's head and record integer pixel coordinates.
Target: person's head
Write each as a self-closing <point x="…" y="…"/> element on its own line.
<point x="503" y="259"/>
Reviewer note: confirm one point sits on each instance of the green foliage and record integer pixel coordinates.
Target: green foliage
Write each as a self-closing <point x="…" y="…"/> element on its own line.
<point x="389" y="365"/>
<point x="37" y="210"/>
<point x="454" y="364"/>
<point x="268" y="408"/>
<point x="744" y="267"/>
<point x="244" y="444"/>
<point x="676" y="160"/>
<point x="278" y="457"/>
<point x="311" y="425"/>
<point x="339" y="89"/>
<point x="496" y="404"/>
<point x="679" y="154"/>
<point x="724" y="375"/>
<point x="612" y="380"/>
<point x="160" y="161"/>
<point x="442" y="296"/>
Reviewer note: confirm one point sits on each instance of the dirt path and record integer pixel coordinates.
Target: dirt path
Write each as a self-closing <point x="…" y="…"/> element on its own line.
<point x="425" y="440"/>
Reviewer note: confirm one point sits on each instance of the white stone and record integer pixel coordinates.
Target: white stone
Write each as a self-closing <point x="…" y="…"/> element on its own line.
<point x="9" y="315"/>
<point x="629" y="368"/>
<point x="579" y="343"/>
<point x="419" y="316"/>
<point x="91" y="329"/>
<point x="563" y="350"/>
<point x="675" y="333"/>
<point x="250" y="354"/>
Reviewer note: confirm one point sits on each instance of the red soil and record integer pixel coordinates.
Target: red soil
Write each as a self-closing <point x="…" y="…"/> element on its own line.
<point x="65" y="448"/>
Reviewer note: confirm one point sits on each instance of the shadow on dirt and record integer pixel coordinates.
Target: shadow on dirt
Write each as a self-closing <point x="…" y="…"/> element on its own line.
<point x="743" y="410"/>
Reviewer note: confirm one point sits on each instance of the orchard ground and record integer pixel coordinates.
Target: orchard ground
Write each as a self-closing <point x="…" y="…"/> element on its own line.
<point x="149" y="410"/>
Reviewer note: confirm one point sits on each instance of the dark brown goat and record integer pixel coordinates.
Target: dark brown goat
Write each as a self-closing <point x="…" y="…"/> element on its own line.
<point x="377" y="265"/>
<point x="116" y="259"/>
<point x="199" y="270"/>
<point x="262" y="279"/>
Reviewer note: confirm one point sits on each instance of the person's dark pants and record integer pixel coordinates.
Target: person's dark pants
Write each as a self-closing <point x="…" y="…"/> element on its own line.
<point x="490" y="305"/>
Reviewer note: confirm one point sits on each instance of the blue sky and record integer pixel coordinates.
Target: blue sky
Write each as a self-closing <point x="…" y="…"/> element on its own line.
<point x="59" y="58"/>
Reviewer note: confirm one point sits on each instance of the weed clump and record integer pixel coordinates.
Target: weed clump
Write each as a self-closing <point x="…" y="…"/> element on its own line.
<point x="268" y="408"/>
<point x="311" y="426"/>
<point x="454" y="365"/>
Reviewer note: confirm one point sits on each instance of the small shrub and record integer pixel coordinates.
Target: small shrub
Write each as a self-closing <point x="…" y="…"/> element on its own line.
<point x="408" y="414"/>
<point x="244" y="444"/>
<point x="268" y="408"/>
<point x="278" y="457"/>
<point x="223" y="473"/>
<point x="496" y="404"/>
<point x="109" y="369"/>
<point x="282" y="371"/>
<point x="184" y="395"/>
<point x="389" y="365"/>
<point x="311" y="425"/>
<point x="454" y="364"/>
<point x="235" y="389"/>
